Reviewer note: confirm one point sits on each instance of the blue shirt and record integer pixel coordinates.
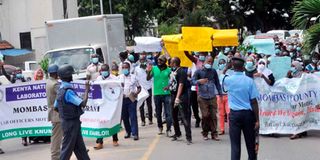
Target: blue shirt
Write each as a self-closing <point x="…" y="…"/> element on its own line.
<point x="70" y="96"/>
<point x="241" y="90"/>
<point x="212" y="87"/>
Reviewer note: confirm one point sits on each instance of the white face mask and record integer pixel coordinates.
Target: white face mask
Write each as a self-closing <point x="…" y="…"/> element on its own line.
<point x="261" y="67"/>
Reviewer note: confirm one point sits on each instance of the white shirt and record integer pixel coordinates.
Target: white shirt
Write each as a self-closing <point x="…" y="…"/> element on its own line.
<point x="130" y="83"/>
<point x="111" y="77"/>
<point x="93" y="71"/>
<point x="142" y="78"/>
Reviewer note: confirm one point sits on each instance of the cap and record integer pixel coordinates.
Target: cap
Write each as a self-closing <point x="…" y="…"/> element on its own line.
<point x="238" y="59"/>
<point x="163" y="58"/>
<point x="65" y="71"/>
<point x="53" y="68"/>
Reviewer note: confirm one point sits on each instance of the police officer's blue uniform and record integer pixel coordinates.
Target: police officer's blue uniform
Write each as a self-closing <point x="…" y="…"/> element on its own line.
<point x="241" y="90"/>
<point x="69" y="107"/>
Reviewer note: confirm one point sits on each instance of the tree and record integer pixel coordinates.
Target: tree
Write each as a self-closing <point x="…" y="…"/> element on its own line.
<point x="304" y="11"/>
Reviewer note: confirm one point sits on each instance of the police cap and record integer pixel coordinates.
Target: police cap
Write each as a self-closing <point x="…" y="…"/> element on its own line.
<point x="238" y="59"/>
<point x="53" y="68"/>
<point x="65" y="71"/>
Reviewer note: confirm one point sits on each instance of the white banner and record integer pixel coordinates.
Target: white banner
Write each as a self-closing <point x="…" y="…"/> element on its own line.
<point x="24" y="110"/>
<point x="290" y="106"/>
<point x="147" y="44"/>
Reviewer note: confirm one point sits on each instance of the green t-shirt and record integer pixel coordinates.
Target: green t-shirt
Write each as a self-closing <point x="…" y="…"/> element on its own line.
<point x="160" y="80"/>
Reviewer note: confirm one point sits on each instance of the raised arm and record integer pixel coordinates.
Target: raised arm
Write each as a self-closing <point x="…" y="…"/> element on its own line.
<point x="192" y="59"/>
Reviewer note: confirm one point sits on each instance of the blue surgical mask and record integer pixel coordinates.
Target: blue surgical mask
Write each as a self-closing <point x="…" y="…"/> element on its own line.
<point x="250" y="67"/>
<point x="298" y="49"/>
<point x="291" y="54"/>
<point x="149" y="56"/>
<point x="125" y="72"/>
<point x="293" y="70"/>
<point x="105" y="73"/>
<point x="277" y="51"/>
<point x="202" y="58"/>
<point x="207" y="66"/>
<point x="19" y="75"/>
<point x="131" y="58"/>
<point x="95" y="60"/>
<point x="221" y="66"/>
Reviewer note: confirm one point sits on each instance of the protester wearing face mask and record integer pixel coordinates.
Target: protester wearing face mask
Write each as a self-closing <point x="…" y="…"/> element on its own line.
<point x="147" y="85"/>
<point x="222" y="101"/>
<point x="296" y="71"/>
<point x="312" y="67"/>
<point x="161" y="93"/>
<point x="264" y="72"/>
<point x="131" y="89"/>
<point x="105" y="75"/>
<point x="209" y="87"/>
<point x="250" y="67"/>
<point x="93" y="69"/>
<point x="197" y="61"/>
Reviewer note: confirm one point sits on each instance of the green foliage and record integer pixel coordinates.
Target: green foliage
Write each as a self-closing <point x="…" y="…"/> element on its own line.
<point x="311" y="39"/>
<point x="44" y="64"/>
<point x="244" y="49"/>
<point x="169" y="27"/>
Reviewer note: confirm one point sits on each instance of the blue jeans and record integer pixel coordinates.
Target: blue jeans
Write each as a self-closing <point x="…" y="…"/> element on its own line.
<point x="129" y="116"/>
<point x="164" y="100"/>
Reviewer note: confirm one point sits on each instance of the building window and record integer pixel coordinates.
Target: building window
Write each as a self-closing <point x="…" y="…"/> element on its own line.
<point x="25" y="40"/>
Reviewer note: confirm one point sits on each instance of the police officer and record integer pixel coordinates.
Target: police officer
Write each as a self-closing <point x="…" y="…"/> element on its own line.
<point x="244" y="112"/>
<point x="70" y="105"/>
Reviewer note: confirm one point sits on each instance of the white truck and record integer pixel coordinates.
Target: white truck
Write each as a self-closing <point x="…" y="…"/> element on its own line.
<point x="71" y="41"/>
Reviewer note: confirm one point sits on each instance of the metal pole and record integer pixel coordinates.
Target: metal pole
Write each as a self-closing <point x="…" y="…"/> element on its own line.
<point x="92" y="7"/>
<point x="110" y="6"/>
<point x="101" y="7"/>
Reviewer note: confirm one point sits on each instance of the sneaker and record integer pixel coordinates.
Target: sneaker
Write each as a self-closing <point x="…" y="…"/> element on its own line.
<point x="127" y="136"/>
<point x="160" y="131"/>
<point x="150" y="123"/>
<point x="135" y="138"/>
<point x="189" y="142"/>
<point x="143" y="124"/>
<point x="115" y="143"/>
<point x="98" y="146"/>
<point x="221" y="133"/>
<point x="1" y="151"/>
<point x="168" y="133"/>
<point x="215" y="138"/>
<point x="205" y="138"/>
<point x="175" y="137"/>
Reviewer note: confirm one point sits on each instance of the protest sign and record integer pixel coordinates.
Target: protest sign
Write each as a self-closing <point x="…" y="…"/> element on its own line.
<point x="24" y="109"/>
<point x="265" y="46"/>
<point x="280" y="66"/>
<point x="147" y="44"/>
<point x="290" y="106"/>
<point x="196" y="39"/>
<point x="171" y="45"/>
<point x="225" y="37"/>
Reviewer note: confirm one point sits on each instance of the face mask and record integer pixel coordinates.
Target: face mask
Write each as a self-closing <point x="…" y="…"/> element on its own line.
<point x="95" y="60"/>
<point x="293" y="70"/>
<point x="315" y="60"/>
<point x="202" y="58"/>
<point x="261" y="67"/>
<point x="173" y="68"/>
<point x="207" y="66"/>
<point x="298" y="48"/>
<point x="221" y="66"/>
<point x="149" y="56"/>
<point x="249" y="66"/>
<point x="131" y="58"/>
<point x="19" y="75"/>
<point x="125" y="72"/>
<point x="116" y="73"/>
<point x="291" y="54"/>
<point x="105" y="73"/>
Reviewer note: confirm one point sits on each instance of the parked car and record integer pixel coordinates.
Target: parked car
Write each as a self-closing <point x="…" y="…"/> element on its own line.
<point x="282" y="34"/>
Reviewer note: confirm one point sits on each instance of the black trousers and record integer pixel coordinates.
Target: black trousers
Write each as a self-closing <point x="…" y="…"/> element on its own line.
<point x="194" y="104"/>
<point x="185" y="115"/>
<point x="244" y="121"/>
<point x="149" y="105"/>
<point x="72" y="140"/>
<point x="114" y="138"/>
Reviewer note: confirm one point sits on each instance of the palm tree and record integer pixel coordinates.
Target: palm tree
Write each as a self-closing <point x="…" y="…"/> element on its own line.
<point x="305" y="12"/>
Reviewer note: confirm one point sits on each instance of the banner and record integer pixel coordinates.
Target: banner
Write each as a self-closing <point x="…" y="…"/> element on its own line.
<point x="265" y="46"/>
<point x="147" y="44"/>
<point x="196" y="39"/>
<point x="24" y="110"/>
<point x="291" y="106"/>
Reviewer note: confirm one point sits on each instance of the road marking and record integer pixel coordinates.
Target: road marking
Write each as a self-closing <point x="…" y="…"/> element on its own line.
<point x="151" y="148"/>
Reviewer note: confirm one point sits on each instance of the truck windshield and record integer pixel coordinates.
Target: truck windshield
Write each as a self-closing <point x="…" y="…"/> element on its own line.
<point x="78" y="58"/>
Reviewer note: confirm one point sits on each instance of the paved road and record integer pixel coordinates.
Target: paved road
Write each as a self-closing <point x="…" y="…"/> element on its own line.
<point x="154" y="147"/>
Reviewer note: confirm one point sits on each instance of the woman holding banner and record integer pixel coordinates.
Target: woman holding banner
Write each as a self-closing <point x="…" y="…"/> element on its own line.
<point x="264" y="72"/>
<point x="296" y="72"/>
